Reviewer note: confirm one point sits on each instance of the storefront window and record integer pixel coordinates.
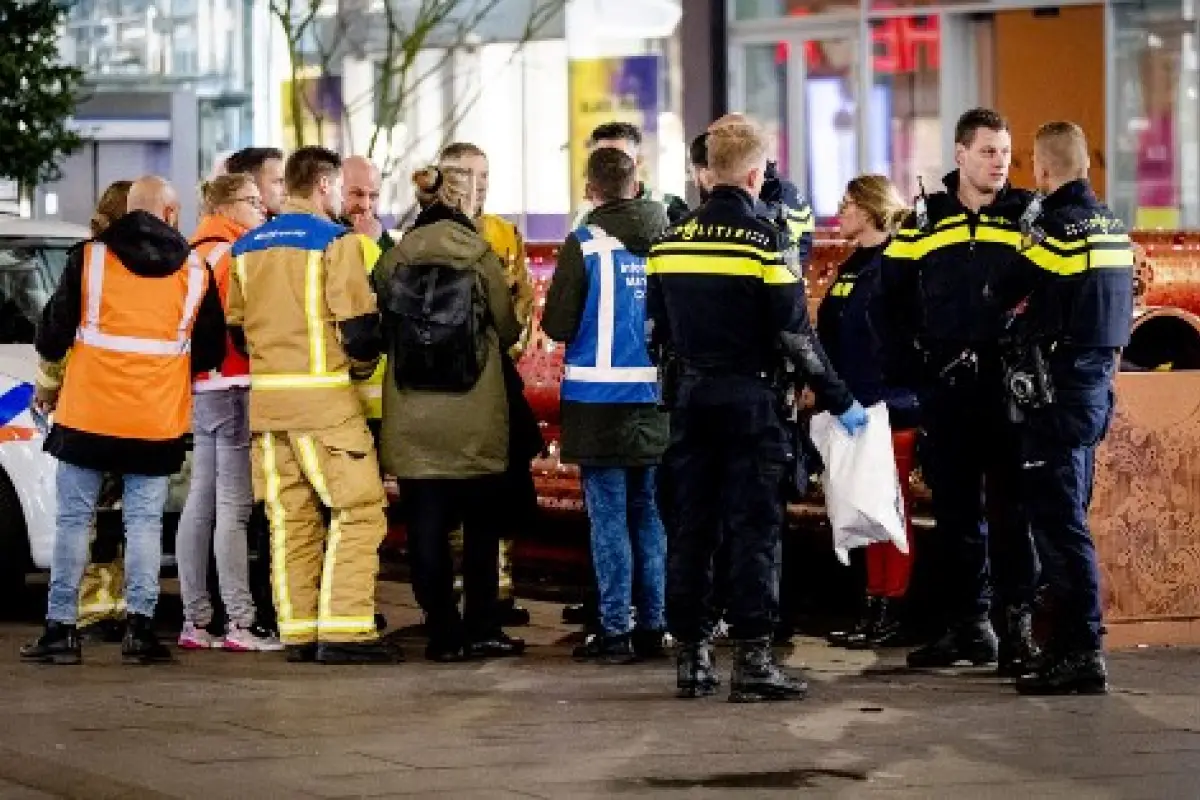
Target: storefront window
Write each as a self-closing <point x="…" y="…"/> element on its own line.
<point x="766" y="96"/>
<point x="904" y="130"/>
<point x="1155" y="180"/>
<point x="742" y="10"/>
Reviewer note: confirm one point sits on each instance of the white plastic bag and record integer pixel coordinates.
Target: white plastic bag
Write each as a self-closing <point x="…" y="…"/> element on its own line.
<point x="862" y="488"/>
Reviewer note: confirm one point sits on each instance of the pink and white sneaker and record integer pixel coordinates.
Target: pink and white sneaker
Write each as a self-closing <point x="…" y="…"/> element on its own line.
<point x="250" y="640"/>
<point x="196" y="638"/>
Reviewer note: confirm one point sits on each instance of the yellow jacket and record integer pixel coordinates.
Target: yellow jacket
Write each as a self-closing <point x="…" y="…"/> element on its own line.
<point x="301" y="299"/>
<point x="370" y="391"/>
<point x="506" y="242"/>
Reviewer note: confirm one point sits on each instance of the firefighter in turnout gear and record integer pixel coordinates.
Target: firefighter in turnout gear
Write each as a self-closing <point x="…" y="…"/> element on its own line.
<point x="1074" y="309"/>
<point x="936" y="273"/>
<point x="725" y="309"/>
<point x="301" y="304"/>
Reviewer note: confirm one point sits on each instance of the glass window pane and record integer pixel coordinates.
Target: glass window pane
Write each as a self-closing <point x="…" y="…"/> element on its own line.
<point x="904" y="135"/>
<point x="831" y="149"/>
<point x="774" y="9"/>
<point x="1155" y="182"/>
<point x="766" y="95"/>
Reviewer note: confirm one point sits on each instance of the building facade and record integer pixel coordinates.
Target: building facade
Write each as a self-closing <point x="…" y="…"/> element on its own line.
<point x="875" y="86"/>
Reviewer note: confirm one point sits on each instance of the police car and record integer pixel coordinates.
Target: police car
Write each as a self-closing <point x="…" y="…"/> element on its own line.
<point x="33" y="254"/>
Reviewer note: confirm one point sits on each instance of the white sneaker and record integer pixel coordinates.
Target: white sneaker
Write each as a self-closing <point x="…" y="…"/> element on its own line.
<point x="195" y="638"/>
<point x="250" y="640"/>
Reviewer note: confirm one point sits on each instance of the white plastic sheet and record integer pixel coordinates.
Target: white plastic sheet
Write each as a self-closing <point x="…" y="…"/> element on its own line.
<point x="862" y="488"/>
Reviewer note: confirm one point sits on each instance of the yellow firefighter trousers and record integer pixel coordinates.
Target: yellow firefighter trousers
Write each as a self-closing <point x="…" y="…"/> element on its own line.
<point x="102" y="592"/>
<point x="323" y="578"/>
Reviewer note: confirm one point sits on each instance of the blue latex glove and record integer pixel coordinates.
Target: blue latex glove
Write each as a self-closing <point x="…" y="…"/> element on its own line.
<point x="853" y="419"/>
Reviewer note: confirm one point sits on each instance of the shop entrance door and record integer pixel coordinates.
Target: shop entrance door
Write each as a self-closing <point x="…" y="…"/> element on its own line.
<point x="805" y="89"/>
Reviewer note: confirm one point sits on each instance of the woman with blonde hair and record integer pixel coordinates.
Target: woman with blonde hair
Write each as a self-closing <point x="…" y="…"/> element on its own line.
<point x="852" y="327"/>
<point x="447" y="318"/>
<point x="220" y="497"/>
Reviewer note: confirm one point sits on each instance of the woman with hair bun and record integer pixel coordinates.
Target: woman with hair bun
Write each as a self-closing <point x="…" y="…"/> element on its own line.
<point x="445" y="432"/>
<point x="852" y="329"/>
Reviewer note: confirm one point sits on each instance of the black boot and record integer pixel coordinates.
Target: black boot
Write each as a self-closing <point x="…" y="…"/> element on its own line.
<point x="1078" y="672"/>
<point x="973" y="641"/>
<point x="580" y="614"/>
<point x="512" y="615"/>
<point x="605" y="649"/>
<point x="141" y="645"/>
<point x="301" y="653"/>
<point x="376" y="652"/>
<point x="858" y="634"/>
<point x="757" y="678"/>
<point x="696" y="670"/>
<point x="495" y="644"/>
<point x="105" y="631"/>
<point x="650" y="644"/>
<point x="1018" y="652"/>
<point x="58" y="644"/>
<point x="889" y="629"/>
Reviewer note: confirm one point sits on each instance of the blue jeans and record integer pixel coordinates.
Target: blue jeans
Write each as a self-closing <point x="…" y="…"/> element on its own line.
<point x="627" y="536"/>
<point x="220" y="498"/>
<point x="144" y="500"/>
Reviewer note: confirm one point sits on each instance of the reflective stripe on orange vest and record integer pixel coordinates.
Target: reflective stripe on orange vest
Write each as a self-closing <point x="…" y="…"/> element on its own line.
<point x="129" y="374"/>
<point x="90" y="334"/>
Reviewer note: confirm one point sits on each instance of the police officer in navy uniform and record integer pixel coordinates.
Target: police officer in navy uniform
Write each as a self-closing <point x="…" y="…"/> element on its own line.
<point x="936" y="274"/>
<point x="1074" y="314"/>
<point x="723" y="303"/>
<point x="779" y="203"/>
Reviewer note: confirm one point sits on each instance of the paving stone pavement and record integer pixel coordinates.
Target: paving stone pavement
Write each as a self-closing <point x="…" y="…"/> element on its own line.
<point x="220" y="725"/>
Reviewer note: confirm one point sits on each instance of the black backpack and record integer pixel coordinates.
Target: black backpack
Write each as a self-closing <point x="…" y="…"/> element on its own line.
<point x="438" y="327"/>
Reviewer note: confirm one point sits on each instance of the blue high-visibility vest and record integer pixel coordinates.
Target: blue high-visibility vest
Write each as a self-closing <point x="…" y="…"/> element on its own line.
<point x="607" y="361"/>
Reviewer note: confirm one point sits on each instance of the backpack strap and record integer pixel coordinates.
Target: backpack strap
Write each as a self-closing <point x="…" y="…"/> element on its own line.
<point x="214" y="255"/>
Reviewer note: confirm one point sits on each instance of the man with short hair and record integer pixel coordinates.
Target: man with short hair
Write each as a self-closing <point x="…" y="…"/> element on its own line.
<point x="936" y="273"/>
<point x="628" y="137"/>
<point x="265" y="165"/>
<point x="138" y="313"/>
<point x="301" y="305"/>
<point x="1073" y="308"/>
<point x="723" y="304"/>
<point x="611" y="424"/>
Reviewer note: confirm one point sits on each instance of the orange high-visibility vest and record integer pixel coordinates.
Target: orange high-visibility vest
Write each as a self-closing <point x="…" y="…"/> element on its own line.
<point x="129" y="375"/>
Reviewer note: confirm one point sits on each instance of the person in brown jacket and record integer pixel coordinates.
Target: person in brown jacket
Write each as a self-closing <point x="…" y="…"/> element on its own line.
<point x="448" y="444"/>
<point x="301" y="305"/>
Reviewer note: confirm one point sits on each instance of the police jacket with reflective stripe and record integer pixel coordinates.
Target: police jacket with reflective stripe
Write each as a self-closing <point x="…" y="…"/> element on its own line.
<point x="147" y="249"/>
<point x="937" y="278"/>
<point x="722" y="297"/>
<point x="782" y="203"/>
<point x="301" y="301"/>
<point x="853" y="329"/>
<point x="1077" y="272"/>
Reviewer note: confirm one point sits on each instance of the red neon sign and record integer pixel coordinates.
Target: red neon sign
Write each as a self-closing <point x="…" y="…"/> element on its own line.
<point x="899" y="46"/>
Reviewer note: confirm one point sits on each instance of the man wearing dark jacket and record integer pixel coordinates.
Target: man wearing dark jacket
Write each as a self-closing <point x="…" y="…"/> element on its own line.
<point x="140" y="315"/>
<point x="611" y="424"/>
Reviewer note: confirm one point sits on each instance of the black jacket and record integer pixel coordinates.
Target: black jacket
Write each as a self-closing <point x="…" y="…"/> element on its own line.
<point x="939" y="278"/>
<point x="1077" y="272"/>
<point x="150" y="248"/>
<point x="855" y="334"/>
<point x="721" y="296"/>
<point x="605" y="434"/>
